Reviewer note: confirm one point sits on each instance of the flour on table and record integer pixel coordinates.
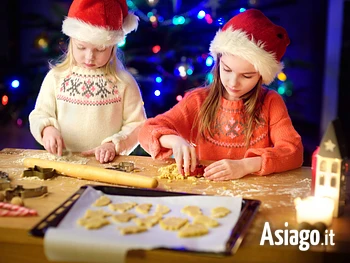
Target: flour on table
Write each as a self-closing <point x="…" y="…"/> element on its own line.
<point x="52" y="157"/>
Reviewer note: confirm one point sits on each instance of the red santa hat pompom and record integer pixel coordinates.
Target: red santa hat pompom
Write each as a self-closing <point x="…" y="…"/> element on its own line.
<point x="253" y="37"/>
<point x="99" y="22"/>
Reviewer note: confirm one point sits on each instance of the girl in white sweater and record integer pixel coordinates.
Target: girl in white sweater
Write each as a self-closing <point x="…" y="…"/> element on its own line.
<point x="88" y="102"/>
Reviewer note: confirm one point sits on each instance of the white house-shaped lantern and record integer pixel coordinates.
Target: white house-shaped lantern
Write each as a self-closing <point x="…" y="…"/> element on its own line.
<point x="332" y="167"/>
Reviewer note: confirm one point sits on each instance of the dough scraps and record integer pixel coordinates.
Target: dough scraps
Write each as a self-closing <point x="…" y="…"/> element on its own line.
<point x="172" y="223"/>
<point x="143" y="208"/>
<point x="191" y="210"/>
<point x="193" y="230"/>
<point x="220" y="212"/>
<point x="123" y="218"/>
<point x="132" y="230"/>
<point x="205" y="220"/>
<point x="122" y="207"/>
<point x="170" y="172"/>
<point x="95" y="222"/>
<point x="102" y="201"/>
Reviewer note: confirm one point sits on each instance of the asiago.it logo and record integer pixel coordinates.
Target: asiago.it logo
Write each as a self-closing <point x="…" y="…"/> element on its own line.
<point x="302" y="238"/>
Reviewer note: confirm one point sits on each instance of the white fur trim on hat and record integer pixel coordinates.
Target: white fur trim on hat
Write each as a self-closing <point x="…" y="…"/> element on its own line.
<point x="236" y="42"/>
<point x="130" y="23"/>
<point x="86" y="32"/>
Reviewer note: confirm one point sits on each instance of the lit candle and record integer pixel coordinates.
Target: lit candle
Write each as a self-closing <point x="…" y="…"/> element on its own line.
<point x="314" y="210"/>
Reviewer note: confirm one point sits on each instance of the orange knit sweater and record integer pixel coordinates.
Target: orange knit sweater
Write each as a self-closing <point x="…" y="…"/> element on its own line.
<point x="275" y="139"/>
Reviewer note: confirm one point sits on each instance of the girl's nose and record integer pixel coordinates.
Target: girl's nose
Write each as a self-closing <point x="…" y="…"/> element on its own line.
<point x="89" y="55"/>
<point x="233" y="80"/>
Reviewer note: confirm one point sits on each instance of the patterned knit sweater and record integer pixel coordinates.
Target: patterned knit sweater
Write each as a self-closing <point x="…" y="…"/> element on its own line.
<point x="275" y="139"/>
<point x="89" y="109"/>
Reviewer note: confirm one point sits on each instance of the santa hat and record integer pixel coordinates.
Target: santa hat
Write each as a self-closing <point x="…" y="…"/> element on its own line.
<point x="253" y="37"/>
<point x="99" y="22"/>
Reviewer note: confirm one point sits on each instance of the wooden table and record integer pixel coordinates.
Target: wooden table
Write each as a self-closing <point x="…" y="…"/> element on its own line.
<point x="276" y="192"/>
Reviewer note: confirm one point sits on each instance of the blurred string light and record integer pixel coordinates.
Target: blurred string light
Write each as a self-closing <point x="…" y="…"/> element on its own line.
<point x="281" y="76"/>
<point x="241" y="10"/>
<point x="156" y="49"/>
<point x="209" y="61"/>
<point x="19" y="122"/>
<point x="157" y="93"/>
<point x="180" y="19"/>
<point x="152" y="2"/>
<point x="15" y="83"/>
<point x="122" y="44"/>
<point x="159" y="79"/>
<point x="4" y="100"/>
<point x="178" y="97"/>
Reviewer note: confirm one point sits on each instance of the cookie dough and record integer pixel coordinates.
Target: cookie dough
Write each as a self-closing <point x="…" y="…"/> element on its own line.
<point x="143" y="208"/>
<point x="170" y="172"/>
<point x="205" y="220"/>
<point x="122" y="207"/>
<point x="220" y="212"/>
<point x="172" y="223"/>
<point x="148" y="221"/>
<point x="102" y="201"/>
<point x="132" y="230"/>
<point x="162" y="209"/>
<point x="95" y="222"/>
<point x="92" y="213"/>
<point x="193" y="230"/>
<point x="191" y="210"/>
<point x="123" y="218"/>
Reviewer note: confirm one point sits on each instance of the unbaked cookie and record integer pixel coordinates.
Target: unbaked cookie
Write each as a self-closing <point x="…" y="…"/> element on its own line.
<point x="162" y="209"/>
<point x="206" y="220"/>
<point x="193" y="230"/>
<point x="95" y="222"/>
<point x="148" y="221"/>
<point x="132" y="230"/>
<point x="191" y="210"/>
<point x="93" y="213"/>
<point x="102" y="201"/>
<point x="172" y="223"/>
<point x="122" y="207"/>
<point x="220" y="212"/>
<point x="143" y="208"/>
<point x="123" y="218"/>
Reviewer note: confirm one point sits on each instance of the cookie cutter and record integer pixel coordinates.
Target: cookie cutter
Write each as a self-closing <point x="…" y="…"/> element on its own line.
<point x="123" y="166"/>
<point x="4" y="181"/>
<point x="42" y="173"/>
<point x="22" y="192"/>
<point x="198" y="171"/>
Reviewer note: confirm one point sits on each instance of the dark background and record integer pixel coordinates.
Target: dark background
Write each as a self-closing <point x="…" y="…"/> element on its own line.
<point x="316" y="62"/>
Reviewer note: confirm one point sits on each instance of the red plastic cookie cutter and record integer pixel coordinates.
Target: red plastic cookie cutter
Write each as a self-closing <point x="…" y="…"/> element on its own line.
<point x="199" y="171"/>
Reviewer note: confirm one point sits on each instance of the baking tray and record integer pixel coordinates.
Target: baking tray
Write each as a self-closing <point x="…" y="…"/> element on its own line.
<point x="248" y="211"/>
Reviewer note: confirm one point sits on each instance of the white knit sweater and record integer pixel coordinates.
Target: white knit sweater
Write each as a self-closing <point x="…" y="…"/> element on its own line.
<point x="89" y="109"/>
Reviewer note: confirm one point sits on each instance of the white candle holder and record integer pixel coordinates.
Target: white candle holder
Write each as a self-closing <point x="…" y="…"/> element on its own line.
<point x="314" y="210"/>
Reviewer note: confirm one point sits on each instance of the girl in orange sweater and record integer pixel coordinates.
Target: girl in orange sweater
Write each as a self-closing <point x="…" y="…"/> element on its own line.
<point x="234" y="121"/>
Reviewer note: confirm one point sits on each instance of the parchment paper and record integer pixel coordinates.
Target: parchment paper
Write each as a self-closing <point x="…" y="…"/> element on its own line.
<point x="71" y="242"/>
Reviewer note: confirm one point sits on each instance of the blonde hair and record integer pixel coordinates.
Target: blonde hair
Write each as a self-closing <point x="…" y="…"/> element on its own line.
<point x="208" y="112"/>
<point x="112" y="68"/>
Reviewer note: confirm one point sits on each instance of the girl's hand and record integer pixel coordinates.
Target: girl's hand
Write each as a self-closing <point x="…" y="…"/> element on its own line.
<point x="104" y="153"/>
<point x="184" y="153"/>
<point x="52" y="140"/>
<point x="232" y="169"/>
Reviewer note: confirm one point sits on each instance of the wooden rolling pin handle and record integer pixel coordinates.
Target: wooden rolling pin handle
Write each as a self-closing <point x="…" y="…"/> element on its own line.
<point x="94" y="173"/>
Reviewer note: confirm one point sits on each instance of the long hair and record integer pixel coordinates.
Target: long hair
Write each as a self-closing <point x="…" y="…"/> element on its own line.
<point x="112" y="68"/>
<point x="208" y="112"/>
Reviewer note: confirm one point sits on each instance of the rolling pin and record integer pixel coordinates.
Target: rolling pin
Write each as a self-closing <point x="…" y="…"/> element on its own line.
<point x="94" y="173"/>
